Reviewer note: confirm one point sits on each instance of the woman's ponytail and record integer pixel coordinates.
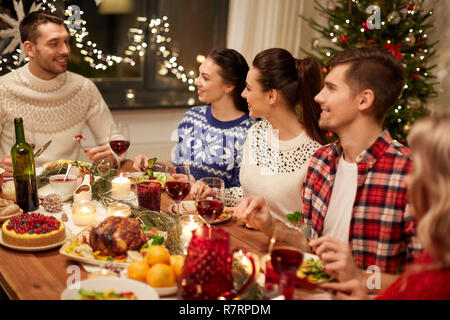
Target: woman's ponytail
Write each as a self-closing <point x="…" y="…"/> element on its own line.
<point x="309" y="85"/>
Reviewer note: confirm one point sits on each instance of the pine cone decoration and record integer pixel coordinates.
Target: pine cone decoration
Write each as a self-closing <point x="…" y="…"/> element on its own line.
<point x="53" y="203"/>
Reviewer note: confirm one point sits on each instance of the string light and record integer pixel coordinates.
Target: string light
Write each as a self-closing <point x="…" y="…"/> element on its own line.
<point x="200" y="58"/>
<point x="157" y="28"/>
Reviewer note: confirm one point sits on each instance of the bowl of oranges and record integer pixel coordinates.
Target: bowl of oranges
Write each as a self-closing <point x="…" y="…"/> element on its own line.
<point x="159" y="269"/>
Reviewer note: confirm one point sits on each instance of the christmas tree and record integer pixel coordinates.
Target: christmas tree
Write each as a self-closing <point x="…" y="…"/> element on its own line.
<point x="398" y="26"/>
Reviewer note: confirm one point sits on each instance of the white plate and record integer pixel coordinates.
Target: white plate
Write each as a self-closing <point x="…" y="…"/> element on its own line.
<point x="141" y="290"/>
<point x="162" y="291"/>
<point x="188" y="207"/>
<point x="40" y="248"/>
<point x="46" y="190"/>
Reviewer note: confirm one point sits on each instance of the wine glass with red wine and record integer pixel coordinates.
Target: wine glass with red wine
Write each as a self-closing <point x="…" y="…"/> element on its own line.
<point x="119" y="140"/>
<point x="286" y="256"/>
<point x="210" y="200"/>
<point x="177" y="184"/>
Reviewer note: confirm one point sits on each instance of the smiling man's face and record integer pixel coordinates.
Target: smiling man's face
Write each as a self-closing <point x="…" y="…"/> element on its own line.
<point x="337" y="100"/>
<point x="50" y="51"/>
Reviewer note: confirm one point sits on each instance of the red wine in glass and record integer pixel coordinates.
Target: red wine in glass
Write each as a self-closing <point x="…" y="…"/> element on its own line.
<point x="286" y="260"/>
<point x="209" y="210"/>
<point x="119" y="146"/>
<point x="177" y="190"/>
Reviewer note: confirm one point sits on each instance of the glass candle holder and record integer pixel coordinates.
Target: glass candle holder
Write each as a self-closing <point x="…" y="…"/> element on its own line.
<point x="189" y="223"/>
<point x="83" y="212"/>
<point x="118" y="209"/>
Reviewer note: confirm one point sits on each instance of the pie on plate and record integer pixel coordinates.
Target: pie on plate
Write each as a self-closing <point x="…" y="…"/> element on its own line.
<point x="33" y="230"/>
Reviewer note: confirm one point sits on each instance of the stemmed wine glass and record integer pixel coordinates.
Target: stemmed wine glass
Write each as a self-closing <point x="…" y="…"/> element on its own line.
<point x="210" y="200"/>
<point x="286" y="256"/>
<point x="179" y="188"/>
<point x="119" y="141"/>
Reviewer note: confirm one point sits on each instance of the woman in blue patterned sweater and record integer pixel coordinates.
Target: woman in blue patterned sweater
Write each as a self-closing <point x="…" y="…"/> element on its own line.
<point x="211" y="137"/>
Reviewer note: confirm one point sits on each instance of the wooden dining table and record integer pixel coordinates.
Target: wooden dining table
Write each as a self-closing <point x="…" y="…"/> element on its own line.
<point x="44" y="275"/>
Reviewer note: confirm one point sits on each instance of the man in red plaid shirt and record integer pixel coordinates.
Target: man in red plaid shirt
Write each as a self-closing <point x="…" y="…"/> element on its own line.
<point x="354" y="195"/>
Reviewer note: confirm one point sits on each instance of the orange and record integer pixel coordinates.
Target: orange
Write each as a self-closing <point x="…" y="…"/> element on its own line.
<point x="177" y="262"/>
<point x="138" y="270"/>
<point x="160" y="275"/>
<point x="157" y="254"/>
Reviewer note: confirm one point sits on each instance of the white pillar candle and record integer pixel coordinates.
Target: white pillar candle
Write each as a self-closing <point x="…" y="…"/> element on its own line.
<point x="121" y="187"/>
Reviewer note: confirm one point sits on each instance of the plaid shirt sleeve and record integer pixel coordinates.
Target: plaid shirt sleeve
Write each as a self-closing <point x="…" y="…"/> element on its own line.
<point x="316" y="191"/>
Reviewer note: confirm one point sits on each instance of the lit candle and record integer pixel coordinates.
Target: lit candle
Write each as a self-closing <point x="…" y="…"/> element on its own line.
<point x="189" y="224"/>
<point x="247" y="264"/>
<point x="83" y="212"/>
<point x="121" y="187"/>
<point x="118" y="209"/>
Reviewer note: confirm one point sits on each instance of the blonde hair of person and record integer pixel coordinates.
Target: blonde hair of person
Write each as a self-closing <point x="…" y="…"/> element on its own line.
<point x="429" y="189"/>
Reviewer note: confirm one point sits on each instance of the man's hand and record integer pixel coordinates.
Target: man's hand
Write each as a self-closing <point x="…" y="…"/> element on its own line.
<point x="253" y="211"/>
<point x="99" y="153"/>
<point x="337" y="258"/>
<point x="6" y="163"/>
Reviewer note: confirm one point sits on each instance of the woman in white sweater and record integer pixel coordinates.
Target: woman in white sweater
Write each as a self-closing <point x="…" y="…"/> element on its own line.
<point x="278" y="148"/>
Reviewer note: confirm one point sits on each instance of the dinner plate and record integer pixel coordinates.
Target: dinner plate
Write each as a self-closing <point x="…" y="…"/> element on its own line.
<point x="97" y="262"/>
<point x="39" y="248"/>
<point x="188" y="207"/>
<point x="141" y="290"/>
<point x="162" y="291"/>
<point x="46" y="190"/>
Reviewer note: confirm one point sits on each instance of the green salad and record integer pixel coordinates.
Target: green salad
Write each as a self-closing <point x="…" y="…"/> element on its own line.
<point x="313" y="270"/>
<point x="110" y="294"/>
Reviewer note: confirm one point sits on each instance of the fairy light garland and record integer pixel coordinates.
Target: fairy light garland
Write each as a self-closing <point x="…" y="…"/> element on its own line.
<point x="159" y="39"/>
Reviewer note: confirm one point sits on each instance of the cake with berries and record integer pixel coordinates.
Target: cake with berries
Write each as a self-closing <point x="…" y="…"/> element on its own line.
<point x="33" y="230"/>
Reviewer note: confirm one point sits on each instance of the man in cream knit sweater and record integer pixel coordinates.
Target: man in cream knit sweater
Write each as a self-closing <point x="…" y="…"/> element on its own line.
<point x="54" y="103"/>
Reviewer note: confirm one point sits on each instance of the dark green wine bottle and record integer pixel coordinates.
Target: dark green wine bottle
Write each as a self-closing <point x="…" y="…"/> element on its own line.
<point x="24" y="171"/>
